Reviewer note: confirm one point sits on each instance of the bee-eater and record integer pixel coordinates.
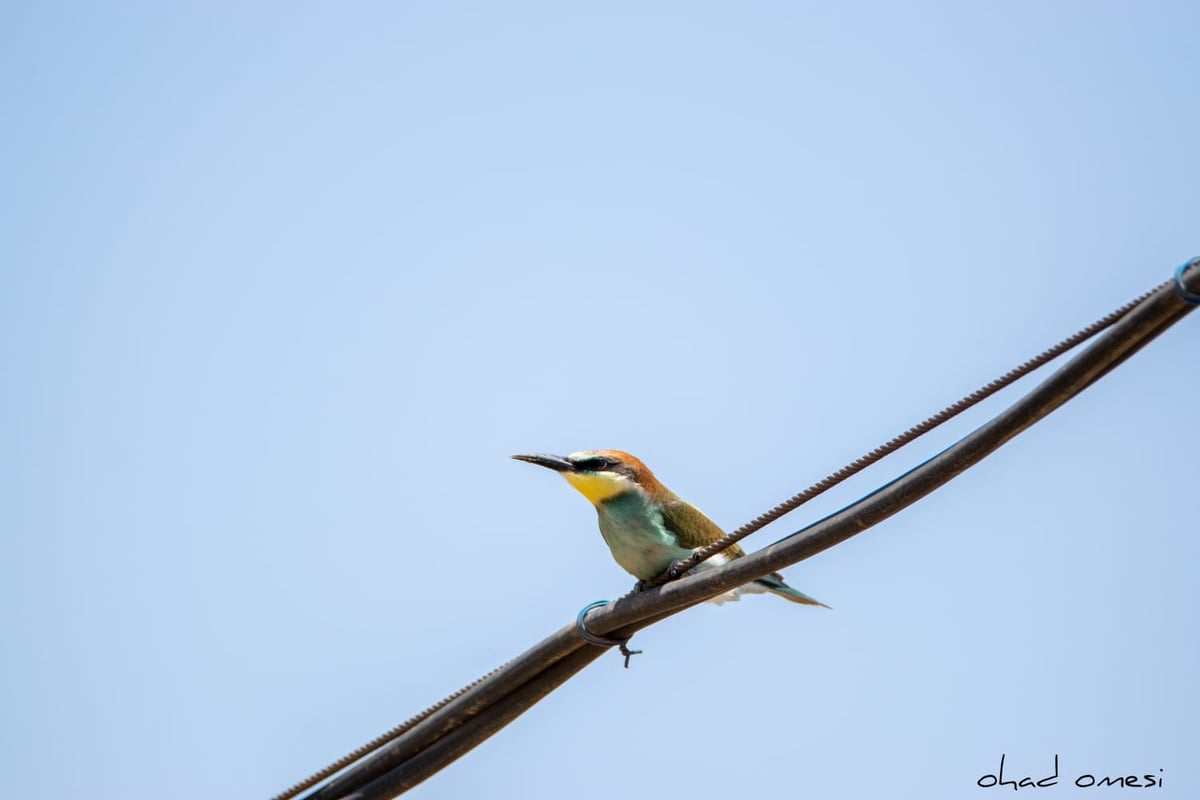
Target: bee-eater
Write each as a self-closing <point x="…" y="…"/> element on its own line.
<point x="646" y="526"/>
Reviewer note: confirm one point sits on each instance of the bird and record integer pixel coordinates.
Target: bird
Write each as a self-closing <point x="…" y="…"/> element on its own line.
<point x="648" y="527"/>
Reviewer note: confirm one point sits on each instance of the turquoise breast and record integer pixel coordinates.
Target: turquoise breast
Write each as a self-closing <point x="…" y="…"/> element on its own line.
<point x="633" y="529"/>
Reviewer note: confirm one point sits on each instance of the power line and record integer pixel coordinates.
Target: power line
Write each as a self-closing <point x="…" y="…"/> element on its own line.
<point x="891" y="446"/>
<point x="438" y="736"/>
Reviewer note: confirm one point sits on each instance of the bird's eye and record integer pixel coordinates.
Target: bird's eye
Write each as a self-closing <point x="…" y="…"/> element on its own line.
<point x="596" y="463"/>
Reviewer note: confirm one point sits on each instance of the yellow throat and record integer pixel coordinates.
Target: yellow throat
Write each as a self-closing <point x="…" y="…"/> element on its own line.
<point x="597" y="488"/>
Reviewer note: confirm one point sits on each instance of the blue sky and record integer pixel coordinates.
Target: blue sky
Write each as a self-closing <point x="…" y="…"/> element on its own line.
<point x="282" y="286"/>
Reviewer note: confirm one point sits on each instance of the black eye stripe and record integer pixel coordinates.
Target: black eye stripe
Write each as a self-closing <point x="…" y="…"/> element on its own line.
<point x="594" y="463"/>
<point x="604" y="464"/>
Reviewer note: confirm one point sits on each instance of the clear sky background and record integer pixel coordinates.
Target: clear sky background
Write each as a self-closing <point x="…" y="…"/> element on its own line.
<point x="282" y="286"/>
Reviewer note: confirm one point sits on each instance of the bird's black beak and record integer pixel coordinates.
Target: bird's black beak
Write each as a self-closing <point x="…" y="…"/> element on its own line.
<point x="556" y="463"/>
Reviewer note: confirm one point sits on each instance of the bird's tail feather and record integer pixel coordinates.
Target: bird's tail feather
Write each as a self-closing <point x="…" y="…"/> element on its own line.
<point x="775" y="585"/>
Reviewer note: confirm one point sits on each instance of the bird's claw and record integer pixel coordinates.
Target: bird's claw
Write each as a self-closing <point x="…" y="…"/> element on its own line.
<point x="674" y="571"/>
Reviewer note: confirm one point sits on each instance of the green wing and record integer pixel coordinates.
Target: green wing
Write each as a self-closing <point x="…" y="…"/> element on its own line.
<point x="692" y="529"/>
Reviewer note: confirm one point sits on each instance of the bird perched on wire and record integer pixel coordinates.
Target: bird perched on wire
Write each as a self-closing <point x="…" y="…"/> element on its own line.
<point x="646" y="526"/>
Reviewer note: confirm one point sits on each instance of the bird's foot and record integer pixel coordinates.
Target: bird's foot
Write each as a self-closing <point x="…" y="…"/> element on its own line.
<point x="674" y="571"/>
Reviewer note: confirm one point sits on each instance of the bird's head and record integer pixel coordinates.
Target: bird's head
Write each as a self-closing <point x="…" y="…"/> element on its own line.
<point x="601" y="475"/>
